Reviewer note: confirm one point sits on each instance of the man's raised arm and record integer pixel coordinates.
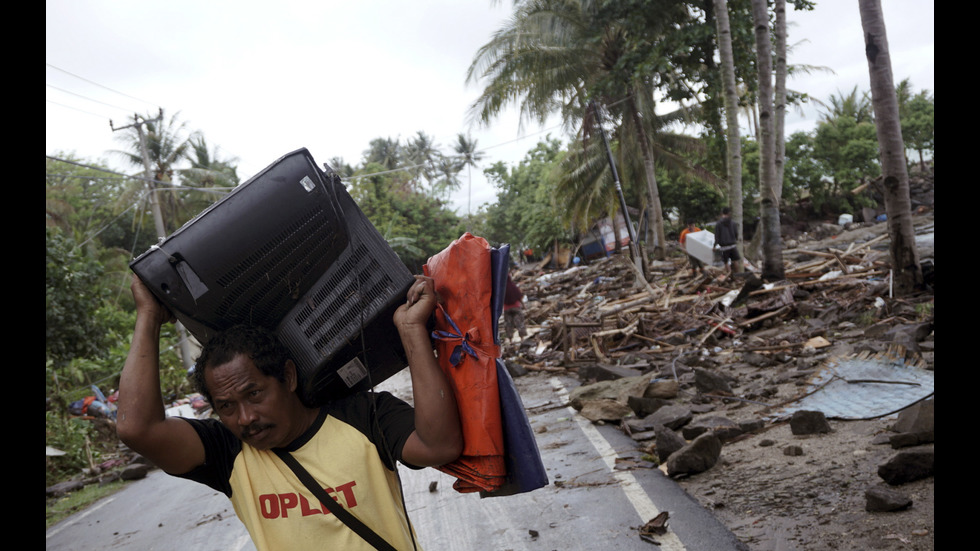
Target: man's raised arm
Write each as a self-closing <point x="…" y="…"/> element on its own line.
<point x="438" y="438"/>
<point x="141" y="422"/>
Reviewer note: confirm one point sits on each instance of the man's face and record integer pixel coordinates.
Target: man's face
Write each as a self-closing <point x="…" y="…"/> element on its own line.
<point x="258" y="409"/>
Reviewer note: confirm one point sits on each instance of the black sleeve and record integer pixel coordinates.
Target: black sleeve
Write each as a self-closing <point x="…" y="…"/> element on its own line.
<point x="220" y="449"/>
<point x="386" y="420"/>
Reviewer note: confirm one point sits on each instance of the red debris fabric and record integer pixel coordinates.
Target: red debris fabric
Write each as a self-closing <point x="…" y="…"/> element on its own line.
<point x="467" y="353"/>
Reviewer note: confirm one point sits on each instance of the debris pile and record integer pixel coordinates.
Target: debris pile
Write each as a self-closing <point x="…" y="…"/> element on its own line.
<point x="690" y="365"/>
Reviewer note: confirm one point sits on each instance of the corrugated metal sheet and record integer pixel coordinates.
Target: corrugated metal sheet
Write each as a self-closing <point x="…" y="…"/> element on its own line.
<point x="865" y="386"/>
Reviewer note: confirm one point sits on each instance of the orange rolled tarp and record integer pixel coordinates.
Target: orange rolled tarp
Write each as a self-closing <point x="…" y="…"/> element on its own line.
<point x="466" y="350"/>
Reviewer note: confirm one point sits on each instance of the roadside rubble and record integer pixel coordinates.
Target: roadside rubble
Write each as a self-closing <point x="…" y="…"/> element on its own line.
<point x="692" y="367"/>
<point x="125" y="464"/>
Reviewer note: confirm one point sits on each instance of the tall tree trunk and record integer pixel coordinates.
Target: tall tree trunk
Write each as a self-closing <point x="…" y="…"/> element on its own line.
<point x="906" y="271"/>
<point x="780" y="101"/>
<point x="772" y="266"/>
<point x="731" y="116"/>
<point x="659" y="246"/>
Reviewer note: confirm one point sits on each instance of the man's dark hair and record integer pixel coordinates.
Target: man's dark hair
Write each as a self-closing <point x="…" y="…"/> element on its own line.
<point x="726" y="210"/>
<point x="259" y="344"/>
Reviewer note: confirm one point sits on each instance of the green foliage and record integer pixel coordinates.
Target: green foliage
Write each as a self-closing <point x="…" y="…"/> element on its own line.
<point x="525" y="214"/>
<point x="802" y="171"/>
<point x="847" y="151"/>
<point x="692" y="199"/>
<point x="72" y="436"/>
<point x="918" y="119"/>
<point x="750" y="179"/>
<point x="72" y="294"/>
<point x="416" y="224"/>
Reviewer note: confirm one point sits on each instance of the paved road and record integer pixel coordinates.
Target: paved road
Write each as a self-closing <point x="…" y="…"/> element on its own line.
<point x="591" y="502"/>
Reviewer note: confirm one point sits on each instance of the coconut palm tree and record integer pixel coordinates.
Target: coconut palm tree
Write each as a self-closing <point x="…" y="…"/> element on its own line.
<point x="208" y="178"/>
<point x="468" y="156"/>
<point x="771" y="238"/>
<point x="422" y="156"/>
<point x="157" y="146"/>
<point x="384" y="151"/>
<point x="734" y="142"/>
<point x="906" y="270"/>
<point x="556" y="56"/>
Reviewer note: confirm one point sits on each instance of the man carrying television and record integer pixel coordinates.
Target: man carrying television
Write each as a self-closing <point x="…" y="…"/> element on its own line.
<point x="349" y="446"/>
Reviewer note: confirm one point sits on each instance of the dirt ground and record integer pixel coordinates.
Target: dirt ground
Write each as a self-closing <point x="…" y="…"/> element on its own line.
<point x="815" y="501"/>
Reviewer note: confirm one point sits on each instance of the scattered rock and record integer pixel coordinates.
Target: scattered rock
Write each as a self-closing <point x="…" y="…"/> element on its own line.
<point x="709" y="382"/>
<point x="672" y="416"/>
<point x="135" y="471"/>
<point x="884" y="499"/>
<point x="605" y="410"/>
<point x="698" y="456"/>
<point x="643" y="407"/>
<point x="662" y="389"/>
<point x="725" y="429"/>
<point x="908" y="439"/>
<point x="917" y="418"/>
<point x="667" y="442"/>
<point x="907" y="466"/>
<point x="808" y="422"/>
<point x="793" y="449"/>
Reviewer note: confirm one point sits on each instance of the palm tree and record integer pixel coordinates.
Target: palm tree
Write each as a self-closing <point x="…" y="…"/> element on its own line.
<point x="208" y="177"/>
<point x="557" y="56"/>
<point x="468" y="156"/>
<point x="906" y="270"/>
<point x="158" y="149"/>
<point x="582" y="190"/>
<point x="731" y="115"/>
<point x="448" y="175"/>
<point x="852" y="105"/>
<point x="780" y="98"/>
<point x="422" y="154"/>
<point x="771" y="238"/>
<point x="384" y="151"/>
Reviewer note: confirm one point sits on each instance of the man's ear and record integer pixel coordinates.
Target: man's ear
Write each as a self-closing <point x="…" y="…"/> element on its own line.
<point x="292" y="380"/>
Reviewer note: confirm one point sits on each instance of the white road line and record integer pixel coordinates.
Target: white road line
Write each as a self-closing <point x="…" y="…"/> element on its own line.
<point x="80" y="516"/>
<point x="637" y="497"/>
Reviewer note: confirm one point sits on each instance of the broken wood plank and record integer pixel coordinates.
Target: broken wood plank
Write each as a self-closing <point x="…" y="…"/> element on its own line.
<point x="766" y="316"/>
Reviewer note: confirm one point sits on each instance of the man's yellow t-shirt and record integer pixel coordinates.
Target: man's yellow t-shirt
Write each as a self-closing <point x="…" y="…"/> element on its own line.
<point x="345" y="450"/>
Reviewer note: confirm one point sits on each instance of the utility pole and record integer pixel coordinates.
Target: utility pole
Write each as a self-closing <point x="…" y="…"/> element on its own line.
<point x="634" y="248"/>
<point x="147" y="171"/>
<point x="150" y="181"/>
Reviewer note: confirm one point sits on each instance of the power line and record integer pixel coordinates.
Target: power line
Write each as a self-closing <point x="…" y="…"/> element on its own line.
<point x="76" y="109"/>
<point x="170" y="185"/>
<point x="87" y="99"/>
<point x="347" y="178"/>
<point x="99" y="85"/>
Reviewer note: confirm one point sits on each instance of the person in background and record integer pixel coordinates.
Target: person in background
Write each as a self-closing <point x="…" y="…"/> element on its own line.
<point x="726" y="241"/>
<point x="696" y="264"/>
<point x="513" y="310"/>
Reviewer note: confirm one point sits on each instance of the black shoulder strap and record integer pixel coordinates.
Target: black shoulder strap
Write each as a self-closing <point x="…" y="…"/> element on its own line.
<point x="350" y="520"/>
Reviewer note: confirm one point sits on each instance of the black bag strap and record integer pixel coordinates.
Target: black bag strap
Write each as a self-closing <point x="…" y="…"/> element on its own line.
<point x="345" y="516"/>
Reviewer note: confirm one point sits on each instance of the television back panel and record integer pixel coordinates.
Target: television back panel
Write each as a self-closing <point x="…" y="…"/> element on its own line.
<point x="341" y="334"/>
<point x="289" y="250"/>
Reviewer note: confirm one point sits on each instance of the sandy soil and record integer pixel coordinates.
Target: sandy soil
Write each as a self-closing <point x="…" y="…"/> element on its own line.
<point x="815" y="501"/>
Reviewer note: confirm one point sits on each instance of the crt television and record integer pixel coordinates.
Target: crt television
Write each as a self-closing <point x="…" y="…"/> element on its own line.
<point x="291" y="251"/>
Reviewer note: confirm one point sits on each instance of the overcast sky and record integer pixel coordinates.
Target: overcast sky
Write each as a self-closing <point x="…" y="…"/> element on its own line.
<point x="261" y="79"/>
